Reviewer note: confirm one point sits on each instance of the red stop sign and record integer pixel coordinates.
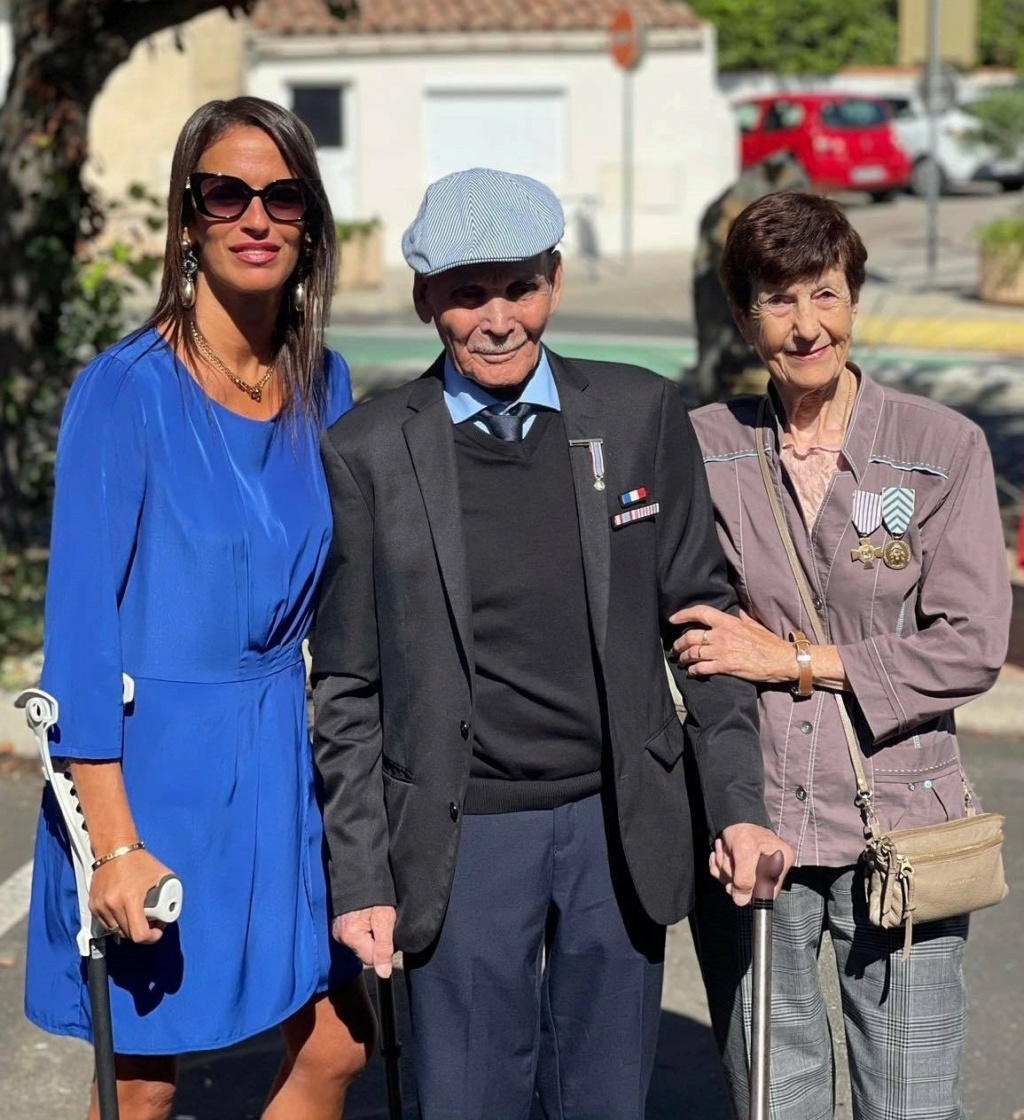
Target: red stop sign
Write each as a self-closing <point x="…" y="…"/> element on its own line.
<point x="625" y="39"/>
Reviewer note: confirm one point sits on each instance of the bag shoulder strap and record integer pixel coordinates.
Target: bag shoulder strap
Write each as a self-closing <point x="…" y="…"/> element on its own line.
<point x="864" y="794"/>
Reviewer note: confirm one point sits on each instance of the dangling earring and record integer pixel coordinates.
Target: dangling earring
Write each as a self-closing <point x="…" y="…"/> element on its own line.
<point x="189" y="268"/>
<point x="299" y="297"/>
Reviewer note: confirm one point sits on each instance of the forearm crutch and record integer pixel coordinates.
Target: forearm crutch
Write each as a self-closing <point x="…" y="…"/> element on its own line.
<point x="390" y="1047"/>
<point x="162" y="903"/>
<point x="769" y="868"/>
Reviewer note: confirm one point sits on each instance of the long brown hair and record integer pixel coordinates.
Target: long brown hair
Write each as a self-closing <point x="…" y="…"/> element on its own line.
<point x="298" y="339"/>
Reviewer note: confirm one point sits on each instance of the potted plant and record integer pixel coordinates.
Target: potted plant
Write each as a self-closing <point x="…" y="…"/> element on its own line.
<point x="360" y="255"/>
<point x="1001" y="279"/>
<point x="1001" y="114"/>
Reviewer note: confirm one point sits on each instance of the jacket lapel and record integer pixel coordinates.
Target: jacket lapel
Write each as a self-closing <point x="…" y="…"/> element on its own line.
<point x="429" y="437"/>
<point x="583" y="421"/>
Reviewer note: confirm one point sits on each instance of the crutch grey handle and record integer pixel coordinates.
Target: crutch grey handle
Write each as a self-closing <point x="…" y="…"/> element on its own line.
<point x="163" y="902"/>
<point x="769" y="871"/>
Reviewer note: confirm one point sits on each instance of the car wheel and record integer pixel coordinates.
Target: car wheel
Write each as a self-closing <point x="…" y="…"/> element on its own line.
<point x="920" y="177"/>
<point x="883" y="196"/>
<point x="1011" y="184"/>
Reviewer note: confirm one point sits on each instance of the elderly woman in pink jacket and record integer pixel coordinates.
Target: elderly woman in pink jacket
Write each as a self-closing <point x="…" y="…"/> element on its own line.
<point x="890" y="505"/>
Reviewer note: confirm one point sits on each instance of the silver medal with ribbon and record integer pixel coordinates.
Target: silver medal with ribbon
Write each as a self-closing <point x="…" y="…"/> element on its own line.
<point x="897" y="511"/>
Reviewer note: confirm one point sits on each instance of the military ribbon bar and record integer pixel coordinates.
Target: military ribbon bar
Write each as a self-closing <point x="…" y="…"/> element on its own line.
<point x="640" y="513"/>
<point x="633" y="496"/>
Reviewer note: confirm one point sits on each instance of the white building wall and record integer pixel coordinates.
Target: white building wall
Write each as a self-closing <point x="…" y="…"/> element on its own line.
<point x="684" y="137"/>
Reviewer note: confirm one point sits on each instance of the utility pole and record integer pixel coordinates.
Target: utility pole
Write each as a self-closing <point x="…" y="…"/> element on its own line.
<point x="932" y="85"/>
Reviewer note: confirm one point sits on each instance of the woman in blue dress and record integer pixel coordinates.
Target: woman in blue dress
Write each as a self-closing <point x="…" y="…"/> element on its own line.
<point x="190" y="526"/>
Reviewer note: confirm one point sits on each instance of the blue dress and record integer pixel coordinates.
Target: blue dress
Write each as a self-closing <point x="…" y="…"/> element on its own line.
<point x="187" y="546"/>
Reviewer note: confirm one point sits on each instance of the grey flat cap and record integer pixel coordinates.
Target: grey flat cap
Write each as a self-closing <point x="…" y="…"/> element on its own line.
<point x="481" y="215"/>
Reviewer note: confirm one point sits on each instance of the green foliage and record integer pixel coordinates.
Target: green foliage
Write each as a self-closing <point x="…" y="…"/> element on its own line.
<point x="348" y="230"/>
<point x="1005" y="233"/>
<point x="1001" y="113"/>
<point x="22" y="587"/>
<point x="94" y="314"/>
<point x="801" y="36"/>
<point x="1001" y="33"/>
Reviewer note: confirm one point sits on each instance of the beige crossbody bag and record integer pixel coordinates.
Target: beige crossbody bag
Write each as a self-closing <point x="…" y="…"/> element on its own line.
<point x="915" y="874"/>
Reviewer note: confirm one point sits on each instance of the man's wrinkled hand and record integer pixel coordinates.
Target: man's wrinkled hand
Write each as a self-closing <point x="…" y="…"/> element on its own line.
<point x="370" y="934"/>
<point x="734" y="859"/>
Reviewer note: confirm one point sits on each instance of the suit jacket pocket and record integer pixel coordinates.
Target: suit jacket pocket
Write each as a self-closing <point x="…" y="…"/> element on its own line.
<point x="667" y="743"/>
<point x="393" y="770"/>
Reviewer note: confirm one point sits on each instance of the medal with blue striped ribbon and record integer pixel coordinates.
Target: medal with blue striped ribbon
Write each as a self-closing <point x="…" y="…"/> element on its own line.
<point x="867" y="516"/>
<point x="897" y="510"/>
<point x="596" y="449"/>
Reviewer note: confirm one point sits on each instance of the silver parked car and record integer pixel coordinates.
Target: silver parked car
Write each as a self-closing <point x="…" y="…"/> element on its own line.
<point x="962" y="158"/>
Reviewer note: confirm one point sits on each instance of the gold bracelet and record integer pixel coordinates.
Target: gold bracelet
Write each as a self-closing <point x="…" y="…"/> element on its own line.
<point x="117" y="853"/>
<point x="805" y="677"/>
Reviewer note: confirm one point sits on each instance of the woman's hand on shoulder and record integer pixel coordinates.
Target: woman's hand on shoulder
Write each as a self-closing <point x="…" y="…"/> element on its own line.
<point x="715" y="642"/>
<point x="118" y="892"/>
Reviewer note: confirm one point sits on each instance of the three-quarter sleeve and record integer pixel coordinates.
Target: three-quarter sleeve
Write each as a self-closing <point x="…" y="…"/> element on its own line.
<point x="963" y="610"/>
<point x="100" y="485"/>
<point x="339" y="387"/>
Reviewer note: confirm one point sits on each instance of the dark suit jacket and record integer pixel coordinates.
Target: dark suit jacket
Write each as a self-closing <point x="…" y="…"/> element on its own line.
<point x="393" y="649"/>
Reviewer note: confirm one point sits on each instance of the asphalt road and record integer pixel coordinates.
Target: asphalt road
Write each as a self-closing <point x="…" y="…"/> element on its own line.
<point x="46" y="1077"/>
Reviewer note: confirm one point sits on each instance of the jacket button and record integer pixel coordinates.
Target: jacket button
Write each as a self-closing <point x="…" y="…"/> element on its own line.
<point x="818" y="602"/>
<point x="806" y="727"/>
<point x="801" y="793"/>
<point x="453" y="811"/>
<point x="464" y="729"/>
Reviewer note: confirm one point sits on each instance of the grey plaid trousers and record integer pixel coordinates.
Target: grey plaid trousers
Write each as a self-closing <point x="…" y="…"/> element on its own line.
<point x="904" y="1021"/>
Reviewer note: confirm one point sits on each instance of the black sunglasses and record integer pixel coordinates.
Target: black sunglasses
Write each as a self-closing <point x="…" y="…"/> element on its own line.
<point x="225" y="197"/>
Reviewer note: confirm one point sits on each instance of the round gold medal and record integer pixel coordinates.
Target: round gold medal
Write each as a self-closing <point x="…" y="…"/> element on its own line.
<point x="896" y="555"/>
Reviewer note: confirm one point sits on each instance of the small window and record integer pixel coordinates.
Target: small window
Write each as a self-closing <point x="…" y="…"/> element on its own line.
<point x="852" y="114"/>
<point x="320" y="109"/>
<point x="900" y="108"/>
<point x="782" y="115"/>
<point x="747" y="115"/>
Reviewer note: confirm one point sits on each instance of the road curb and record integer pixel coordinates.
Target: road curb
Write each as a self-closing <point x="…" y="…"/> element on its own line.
<point x="972" y="335"/>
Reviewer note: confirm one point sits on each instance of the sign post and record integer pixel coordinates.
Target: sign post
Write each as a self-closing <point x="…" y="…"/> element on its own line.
<point x="626" y="46"/>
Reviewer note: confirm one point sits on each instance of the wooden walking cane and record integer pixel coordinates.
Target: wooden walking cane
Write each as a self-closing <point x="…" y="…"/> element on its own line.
<point x="162" y="903"/>
<point x="769" y="868"/>
<point x="390" y="1047"/>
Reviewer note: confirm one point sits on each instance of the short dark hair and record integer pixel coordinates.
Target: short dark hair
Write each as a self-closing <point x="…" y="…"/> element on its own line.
<point x="298" y="339"/>
<point x="786" y="237"/>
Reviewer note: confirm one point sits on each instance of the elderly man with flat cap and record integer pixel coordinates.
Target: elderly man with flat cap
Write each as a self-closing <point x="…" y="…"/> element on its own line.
<point x="501" y="757"/>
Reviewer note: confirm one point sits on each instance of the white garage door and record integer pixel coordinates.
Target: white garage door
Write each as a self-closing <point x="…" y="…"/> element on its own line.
<point x="511" y="130"/>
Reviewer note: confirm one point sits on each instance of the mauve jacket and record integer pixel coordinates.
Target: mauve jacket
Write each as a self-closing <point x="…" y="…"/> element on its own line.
<point x="916" y="643"/>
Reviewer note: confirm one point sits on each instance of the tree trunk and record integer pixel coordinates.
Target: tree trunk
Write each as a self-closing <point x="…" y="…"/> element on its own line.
<point x="64" y="50"/>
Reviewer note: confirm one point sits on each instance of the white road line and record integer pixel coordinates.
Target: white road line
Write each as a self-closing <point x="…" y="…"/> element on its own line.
<point x="14" y="896"/>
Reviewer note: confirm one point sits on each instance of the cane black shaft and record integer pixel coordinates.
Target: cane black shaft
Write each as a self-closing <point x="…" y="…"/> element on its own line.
<point x="390" y="1047"/>
<point x="102" y="1031"/>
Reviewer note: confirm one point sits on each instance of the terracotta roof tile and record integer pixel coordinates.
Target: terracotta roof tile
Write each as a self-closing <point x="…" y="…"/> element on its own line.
<point x="311" y="17"/>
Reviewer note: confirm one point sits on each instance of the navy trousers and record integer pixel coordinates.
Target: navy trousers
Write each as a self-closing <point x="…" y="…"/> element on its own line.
<point x="544" y="983"/>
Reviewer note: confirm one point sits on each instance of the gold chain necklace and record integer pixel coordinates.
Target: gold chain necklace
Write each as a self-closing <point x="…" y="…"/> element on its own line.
<point x="254" y="391"/>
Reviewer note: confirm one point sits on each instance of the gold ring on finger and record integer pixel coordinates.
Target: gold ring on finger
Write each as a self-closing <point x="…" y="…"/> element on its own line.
<point x="704" y="639"/>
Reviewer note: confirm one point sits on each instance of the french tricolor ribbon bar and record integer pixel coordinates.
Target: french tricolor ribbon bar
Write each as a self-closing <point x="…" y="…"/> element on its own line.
<point x="631" y="497"/>
<point x="638" y="513"/>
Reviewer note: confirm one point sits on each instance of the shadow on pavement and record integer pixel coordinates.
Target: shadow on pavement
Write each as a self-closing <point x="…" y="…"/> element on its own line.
<point x="232" y="1084"/>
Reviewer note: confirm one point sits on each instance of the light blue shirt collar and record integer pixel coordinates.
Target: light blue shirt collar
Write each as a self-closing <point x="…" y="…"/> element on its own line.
<point x="465" y="398"/>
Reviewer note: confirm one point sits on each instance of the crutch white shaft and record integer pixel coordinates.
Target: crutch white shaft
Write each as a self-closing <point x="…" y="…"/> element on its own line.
<point x="162" y="902"/>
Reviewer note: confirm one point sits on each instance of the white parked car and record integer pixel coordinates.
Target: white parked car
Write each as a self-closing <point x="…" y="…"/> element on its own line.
<point x="961" y="159"/>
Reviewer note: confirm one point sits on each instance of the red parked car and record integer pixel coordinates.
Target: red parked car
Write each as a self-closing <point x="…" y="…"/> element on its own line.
<point x="843" y="142"/>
